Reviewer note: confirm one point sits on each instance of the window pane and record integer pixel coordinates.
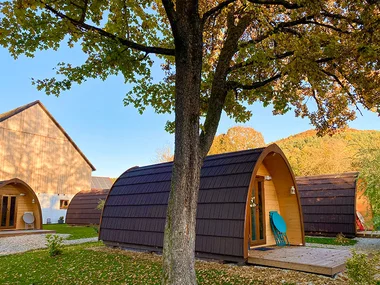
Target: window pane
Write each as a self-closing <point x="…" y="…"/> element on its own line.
<point x="4" y="209"/>
<point x="12" y="213"/>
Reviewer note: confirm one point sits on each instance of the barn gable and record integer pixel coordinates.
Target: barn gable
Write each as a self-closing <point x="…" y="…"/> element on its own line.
<point x="36" y="149"/>
<point x="34" y="118"/>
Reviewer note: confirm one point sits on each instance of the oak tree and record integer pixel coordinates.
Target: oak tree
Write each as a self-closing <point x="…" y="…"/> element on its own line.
<point x="320" y="58"/>
<point x="237" y="138"/>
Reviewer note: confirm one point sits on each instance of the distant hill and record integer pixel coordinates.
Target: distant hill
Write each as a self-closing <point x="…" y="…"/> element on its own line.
<point x="309" y="154"/>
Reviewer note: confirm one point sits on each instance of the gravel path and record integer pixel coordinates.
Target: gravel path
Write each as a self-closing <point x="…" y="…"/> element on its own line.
<point x="363" y="244"/>
<point x="11" y="245"/>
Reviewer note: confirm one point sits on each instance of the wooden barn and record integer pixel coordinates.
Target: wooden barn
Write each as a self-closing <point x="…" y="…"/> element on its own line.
<point x="237" y="193"/>
<point x="330" y="202"/>
<point x="83" y="207"/>
<point x="35" y="149"/>
<point x="19" y="206"/>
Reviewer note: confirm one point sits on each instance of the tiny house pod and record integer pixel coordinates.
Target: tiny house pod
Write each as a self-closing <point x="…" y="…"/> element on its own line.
<point x="237" y="192"/>
<point x="330" y="203"/>
<point x="83" y="208"/>
<point x="16" y="200"/>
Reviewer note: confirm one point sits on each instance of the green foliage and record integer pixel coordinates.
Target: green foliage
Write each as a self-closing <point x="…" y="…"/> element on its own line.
<point x="341" y="239"/>
<point x="332" y="241"/>
<point x="368" y="161"/>
<point x="101" y="204"/>
<point x="321" y="51"/>
<point x="54" y="244"/>
<point x="361" y="269"/>
<point x="61" y="218"/>
<point x="76" y="232"/>
<point x="309" y="154"/>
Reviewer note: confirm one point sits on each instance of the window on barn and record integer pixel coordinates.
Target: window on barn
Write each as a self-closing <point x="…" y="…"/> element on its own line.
<point x="63" y="204"/>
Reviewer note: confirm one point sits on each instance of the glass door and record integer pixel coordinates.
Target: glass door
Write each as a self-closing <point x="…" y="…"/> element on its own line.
<point x="257" y="211"/>
<point x="8" y="212"/>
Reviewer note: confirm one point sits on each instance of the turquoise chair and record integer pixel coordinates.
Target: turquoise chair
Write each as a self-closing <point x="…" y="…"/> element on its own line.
<point x="278" y="225"/>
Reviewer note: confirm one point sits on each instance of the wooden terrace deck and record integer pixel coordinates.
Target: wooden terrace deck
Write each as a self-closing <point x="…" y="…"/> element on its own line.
<point x="308" y="259"/>
<point x="11" y="233"/>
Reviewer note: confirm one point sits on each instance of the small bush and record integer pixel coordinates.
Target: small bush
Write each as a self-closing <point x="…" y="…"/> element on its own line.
<point x="341" y="239"/>
<point x="96" y="228"/>
<point x="361" y="269"/>
<point x="54" y="244"/>
<point x="101" y="204"/>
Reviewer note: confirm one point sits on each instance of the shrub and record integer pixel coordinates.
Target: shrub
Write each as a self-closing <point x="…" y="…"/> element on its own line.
<point x="101" y="204"/>
<point x="361" y="269"/>
<point x="54" y="244"/>
<point x="341" y="239"/>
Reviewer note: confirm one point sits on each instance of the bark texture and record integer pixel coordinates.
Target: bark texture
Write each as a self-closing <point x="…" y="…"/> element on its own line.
<point x="179" y="241"/>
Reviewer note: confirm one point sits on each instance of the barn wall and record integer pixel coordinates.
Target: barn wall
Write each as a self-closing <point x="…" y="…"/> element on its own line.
<point x="23" y="204"/>
<point x="34" y="149"/>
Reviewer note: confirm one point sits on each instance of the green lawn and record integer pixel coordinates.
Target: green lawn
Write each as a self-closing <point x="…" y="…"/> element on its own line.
<point x="332" y="241"/>
<point x="76" y="232"/>
<point x="93" y="263"/>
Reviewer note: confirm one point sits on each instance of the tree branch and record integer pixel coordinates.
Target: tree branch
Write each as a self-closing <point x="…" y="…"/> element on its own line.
<point x="219" y="88"/>
<point x="281" y="27"/>
<point x="216" y="9"/>
<point x="327" y="26"/>
<point x="248" y="63"/>
<point x="283" y="3"/>
<point x="352" y="96"/>
<point x="172" y="15"/>
<point x="234" y="85"/>
<point x="125" y="42"/>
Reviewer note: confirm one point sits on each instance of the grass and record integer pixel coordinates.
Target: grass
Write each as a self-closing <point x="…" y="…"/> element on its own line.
<point x="92" y="263"/>
<point x="76" y="232"/>
<point x="332" y="241"/>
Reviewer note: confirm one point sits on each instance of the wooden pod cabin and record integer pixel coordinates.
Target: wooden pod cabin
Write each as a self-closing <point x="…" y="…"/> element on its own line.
<point x="83" y="207"/>
<point x="329" y="203"/>
<point x="16" y="199"/>
<point x="227" y="226"/>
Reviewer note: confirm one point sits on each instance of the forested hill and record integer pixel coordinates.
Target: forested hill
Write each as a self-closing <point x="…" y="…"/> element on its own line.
<point x="312" y="155"/>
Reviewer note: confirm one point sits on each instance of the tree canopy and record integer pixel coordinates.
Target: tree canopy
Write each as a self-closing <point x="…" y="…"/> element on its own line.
<point x="283" y="53"/>
<point x="237" y="138"/>
<point x="309" y="154"/>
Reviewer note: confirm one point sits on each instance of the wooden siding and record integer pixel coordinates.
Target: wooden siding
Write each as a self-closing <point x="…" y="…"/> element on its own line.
<point x="23" y="204"/>
<point x="271" y="203"/>
<point x="328" y="203"/>
<point x="35" y="150"/>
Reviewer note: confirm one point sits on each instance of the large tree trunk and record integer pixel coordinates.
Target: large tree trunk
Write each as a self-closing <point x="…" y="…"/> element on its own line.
<point x="179" y="241"/>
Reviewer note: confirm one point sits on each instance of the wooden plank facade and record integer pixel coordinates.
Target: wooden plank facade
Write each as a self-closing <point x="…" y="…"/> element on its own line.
<point x="236" y="196"/>
<point x="36" y="149"/>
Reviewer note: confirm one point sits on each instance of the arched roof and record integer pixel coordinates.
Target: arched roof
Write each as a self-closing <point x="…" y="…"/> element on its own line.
<point x="328" y="203"/>
<point x="135" y="210"/>
<point x="83" y="210"/>
<point x="19" y="182"/>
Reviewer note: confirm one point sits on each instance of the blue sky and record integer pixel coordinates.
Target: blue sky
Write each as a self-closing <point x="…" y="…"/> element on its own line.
<point x="112" y="136"/>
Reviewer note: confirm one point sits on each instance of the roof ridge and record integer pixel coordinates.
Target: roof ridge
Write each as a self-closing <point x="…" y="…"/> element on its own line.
<point x="6" y="115"/>
<point x="11" y="113"/>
